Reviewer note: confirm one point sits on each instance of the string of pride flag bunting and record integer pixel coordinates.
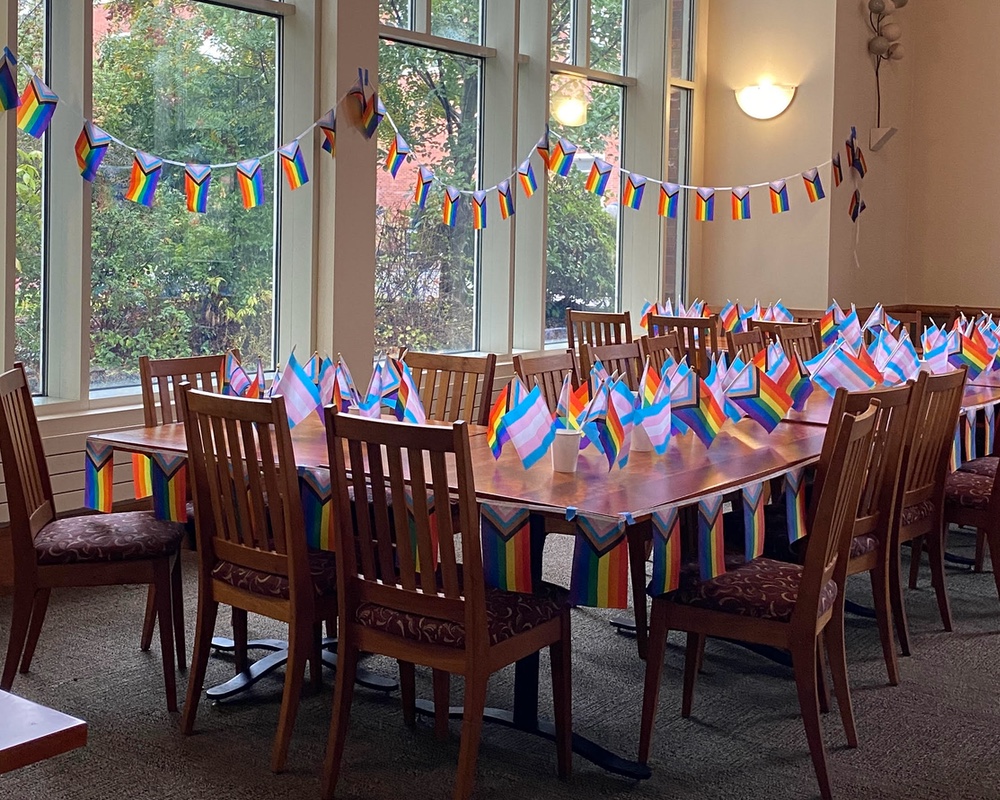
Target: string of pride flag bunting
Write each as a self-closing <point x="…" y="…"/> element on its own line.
<point x="362" y="105"/>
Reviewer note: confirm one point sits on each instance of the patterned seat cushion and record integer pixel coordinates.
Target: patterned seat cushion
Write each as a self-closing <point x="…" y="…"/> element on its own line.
<point x="968" y="490"/>
<point x="322" y="565"/>
<point x="987" y="465"/>
<point x="93" y="538"/>
<point x="507" y="615"/>
<point x="762" y="588"/>
<point x="863" y="544"/>
<point x="916" y="512"/>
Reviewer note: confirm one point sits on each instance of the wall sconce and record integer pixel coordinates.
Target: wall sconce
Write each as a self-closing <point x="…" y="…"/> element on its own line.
<point x="764" y="100"/>
<point x="570" y="101"/>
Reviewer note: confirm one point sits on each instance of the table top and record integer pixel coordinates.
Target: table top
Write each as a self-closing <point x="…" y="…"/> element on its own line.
<point x="819" y="404"/>
<point x="741" y="455"/>
<point x="30" y="732"/>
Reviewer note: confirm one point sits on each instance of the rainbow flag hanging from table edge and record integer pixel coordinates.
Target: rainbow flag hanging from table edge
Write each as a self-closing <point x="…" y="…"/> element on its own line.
<point x="169" y="483"/>
<point x="666" y="575"/>
<point x="315" y="493"/>
<point x="600" y="563"/>
<point x="711" y="544"/>
<point x="795" y="503"/>
<point x="98" y="476"/>
<point x="753" y="521"/>
<point x="506" y="540"/>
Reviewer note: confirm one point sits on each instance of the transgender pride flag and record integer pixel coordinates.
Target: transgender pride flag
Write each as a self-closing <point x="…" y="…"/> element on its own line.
<point x="530" y="427"/>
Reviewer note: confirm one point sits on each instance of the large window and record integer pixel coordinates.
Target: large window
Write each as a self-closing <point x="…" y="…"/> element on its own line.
<point x="426" y="272"/>
<point x="195" y="83"/>
<point x="30" y="185"/>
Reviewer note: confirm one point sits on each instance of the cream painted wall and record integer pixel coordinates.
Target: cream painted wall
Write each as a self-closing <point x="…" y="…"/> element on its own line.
<point x="769" y="256"/>
<point x="953" y="247"/>
<point x="883" y="268"/>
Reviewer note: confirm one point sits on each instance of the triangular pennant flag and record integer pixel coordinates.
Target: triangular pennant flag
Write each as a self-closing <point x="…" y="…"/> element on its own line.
<point x="91" y="147"/>
<point x="315" y="494"/>
<point x="857" y="206"/>
<point x="398" y="151"/>
<point x="666" y="552"/>
<point x="449" y="209"/>
<point x="704" y="204"/>
<point x="424" y="179"/>
<point x="293" y="164"/>
<point x="597" y="180"/>
<point x="542" y="147"/>
<point x="505" y="530"/>
<point x="561" y="157"/>
<point x="98" y="481"/>
<point x="741" y="203"/>
<point x="478" y="210"/>
<point x="197" y="178"/>
<point x="250" y="178"/>
<point x="8" y="84"/>
<point x="526" y="175"/>
<point x="38" y="104"/>
<point x="795" y="503"/>
<point x="669" y="193"/>
<point x="633" y="190"/>
<point x="779" y="197"/>
<point x="372" y="115"/>
<point x="814" y="185"/>
<point x="837" y="170"/>
<point x="600" y="563"/>
<point x="328" y="127"/>
<point x="146" y="170"/>
<point x="505" y="198"/>
<point x="711" y="544"/>
<point x="753" y="520"/>
<point x="168" y="473"/>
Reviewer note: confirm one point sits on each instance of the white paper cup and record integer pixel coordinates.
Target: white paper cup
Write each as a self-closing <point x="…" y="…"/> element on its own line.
<point x="566" y="450"/>
<point x="640" y="440"/>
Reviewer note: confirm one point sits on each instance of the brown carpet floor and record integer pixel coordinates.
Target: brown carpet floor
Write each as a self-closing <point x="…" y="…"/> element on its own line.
<point x="934" y="736"/>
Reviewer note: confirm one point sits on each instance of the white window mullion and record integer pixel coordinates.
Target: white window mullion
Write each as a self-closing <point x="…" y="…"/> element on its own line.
<point x="8" y="204"/>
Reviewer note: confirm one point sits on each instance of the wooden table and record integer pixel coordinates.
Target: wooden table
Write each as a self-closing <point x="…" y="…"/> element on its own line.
<point x="30" y="732"/>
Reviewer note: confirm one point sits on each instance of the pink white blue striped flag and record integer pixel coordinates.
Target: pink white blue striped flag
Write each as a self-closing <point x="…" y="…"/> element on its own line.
<point x="850" y="330"/>
<point x="530" y="427"/>
<point x="300" y="393"/>
<point x="903" y="363"/>
<point x="656" y="418"/>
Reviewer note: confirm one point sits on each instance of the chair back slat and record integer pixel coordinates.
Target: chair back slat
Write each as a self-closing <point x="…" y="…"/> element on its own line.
<point x="625" y="359"/>
<point x="379" y="507"/>
<point x="697" y="337"/>
<point x="161" y="377"/>
<point x="419" y="463"/>
<point x="597" y="328"/>
<point x="454" y="388"/>
<point x="744" y="344"/>
<point x="831" y="515"/>
<point x="548" y="372"/>
<point x="657" y="348"/>
<point x="802" y="338"/>
<point x="247" y="506"/>
<point x="29" y="489"/>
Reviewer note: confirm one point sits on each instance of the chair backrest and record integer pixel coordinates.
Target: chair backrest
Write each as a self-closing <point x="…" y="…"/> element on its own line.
<point x="807" y="314"/>
<point x="832" y="513"/>
<point x="454" y="388"/>
<point x="160" y="378"/>
<point x="657" y="348"/>
<point x="548" y="371"/>
<point x="406" y="560"/>
<point x="937" y="400"/>
<point x="768" y="329"/>
<point x="744" y="344"/>
<point x="625" y="359"/>
<point x="597" y="327"/>
<point x="245" y="486"/>
<point x="878" y="492"/>
<point x="800" y="337"/>
<point x="26" y="475"/>
<point x="697" y="337"/>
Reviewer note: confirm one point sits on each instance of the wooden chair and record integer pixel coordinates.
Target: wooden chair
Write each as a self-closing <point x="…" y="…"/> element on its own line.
<point x="807" y="314"/>
<point x="919" y="507"/>
<point x="744" y="344"/>
<point x="657" y="348"/>
<point x="454" y="388"/>
<point x="91" y="550"/>
<point x="625" y="359"/>
<point x="252" y="551"/>
<point x="778" y="604"/>
<point x="161" y="377"/>
<point x="697" y="337"/>
<point x="972" y="499"/>
<point x="548" y="371"/>
<point x="439" y="614"/>
<point x="768" y="330"/>
<point x="870" y="542"/>
<point x="599" y="328"/>
<point x="802" y="338"/>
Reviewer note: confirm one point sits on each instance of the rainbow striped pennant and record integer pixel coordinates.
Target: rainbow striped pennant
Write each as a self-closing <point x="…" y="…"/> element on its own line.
<point x="711" y="544"/>
<point x="814" y="185"/>
<point x="8" y="85"/>
<point x="753" y="521"/>
<point x="669" y="193"/>
<point x="197" y="178"/>
<point x="600" y="563"/>
<point x="505" y="530"/>
<point x="293" y="164"/>
<point x="597" y="180"/>
<point x="38" y="104"/>
<point x="779" y="197"/>
<point x="704" y="204"/>
<point x="91" y="147"/>
<point x="328" y="127"/>
<point x="315" y="493"/>
<point x="526" y="175"/>
<point x="633" y="190"/>
<point x="478" y="210"/>
<point x="741" y="203"/>
<point x="505" y="198"/>
<point x="250" y="178"/>
<point x="666" y="575"/>
<point x="146" y="171"/>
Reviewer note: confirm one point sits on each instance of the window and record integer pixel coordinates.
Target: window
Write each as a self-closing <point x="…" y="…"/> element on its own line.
<point x="194" y="83"/>
<point x="426" y="273"/>
<point x="29" y="287"/>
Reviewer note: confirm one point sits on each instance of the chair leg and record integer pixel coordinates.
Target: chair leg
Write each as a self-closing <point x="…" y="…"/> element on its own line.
<point x="916" y="551"/>
<point x="883" y="617"/>
<point x="442" y="703"/>
<point x="316" y="657"/>
<point x="20" y="618"/>
<point x="343" y="694"/>
<point x="692" y="664"/>
<point x="935" y="553"/>
<point x="299" y="648"/>
<point x="992" y="535"/>
<point x="804" y="666"/>
<point x="177" y="599"/>
<point x="208" y="610"/>
<point x="562" y="698"/>
<point x="472" y="729"/>
<point x="837" y="650"/>
<point x="896" y="600"/>
<point x="980" y="559"/>
<point x="240" y="636"/>
<point x="41" y="604"/>
<point x="148" y="619"/>
<point x="822" y="687"/>
<point x="164" y="612"/>
<point x="654" y="671"/>
<point x="408" y="692"/>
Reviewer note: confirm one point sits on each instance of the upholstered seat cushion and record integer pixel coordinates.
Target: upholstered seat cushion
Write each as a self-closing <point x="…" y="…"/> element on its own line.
<point x="507" y="615"/>
<point x="987" y="465"/>
<point x="968" y="490"/>
<point x="863" y="544"/>
<point x="761" y="588"/>
<point x="918" y="511"/>
<point x="322" y="565"/>
<point x="93" y="538"/>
